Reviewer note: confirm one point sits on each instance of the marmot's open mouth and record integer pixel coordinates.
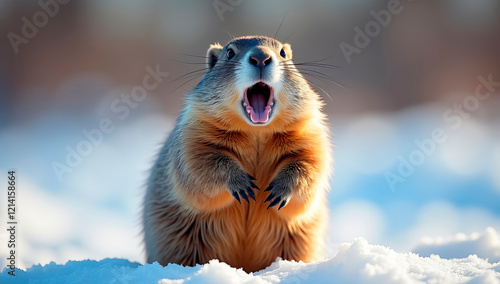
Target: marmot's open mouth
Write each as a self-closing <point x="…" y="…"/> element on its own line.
<point x="258" y="102"/>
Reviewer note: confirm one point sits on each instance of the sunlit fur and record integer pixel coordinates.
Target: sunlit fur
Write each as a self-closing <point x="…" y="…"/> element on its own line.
<point x="189" y="215"/>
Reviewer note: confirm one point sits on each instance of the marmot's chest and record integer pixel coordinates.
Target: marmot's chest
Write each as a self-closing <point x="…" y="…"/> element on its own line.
<point x="260" y="158"/>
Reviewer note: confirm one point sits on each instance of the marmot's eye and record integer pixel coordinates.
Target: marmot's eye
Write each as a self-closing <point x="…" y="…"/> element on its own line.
<point x="230" y="53"/>
<point x="283" y="53"/>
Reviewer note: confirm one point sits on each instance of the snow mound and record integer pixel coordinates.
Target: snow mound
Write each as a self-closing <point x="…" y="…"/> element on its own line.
<point x="356" y="262"/>
<point x="485" y="245"/>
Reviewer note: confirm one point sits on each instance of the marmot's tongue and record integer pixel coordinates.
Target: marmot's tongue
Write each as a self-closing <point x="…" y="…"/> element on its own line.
<point x="258" y="102"/>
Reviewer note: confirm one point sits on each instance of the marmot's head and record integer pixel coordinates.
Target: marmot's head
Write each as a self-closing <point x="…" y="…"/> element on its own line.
<point x="252" y="81"/>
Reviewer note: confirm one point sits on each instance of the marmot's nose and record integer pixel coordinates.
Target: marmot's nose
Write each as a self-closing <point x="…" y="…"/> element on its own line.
<point x="260" y="57"/>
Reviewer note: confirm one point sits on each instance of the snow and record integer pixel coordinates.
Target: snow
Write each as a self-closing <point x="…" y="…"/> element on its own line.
<point x="356" y="262"/>
<point x="485" y="245"/>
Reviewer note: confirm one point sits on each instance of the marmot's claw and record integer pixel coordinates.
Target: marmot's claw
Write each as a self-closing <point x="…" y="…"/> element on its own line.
<point x="244" y="196"/>
<point x="245" y="188"/>
<point x="252" y="185"/>
<point x="279" y="194"/>
<point x="274" y="202"/>
<point x="282" y="204"/>
<point x="270" y="187"/>
<point x="270" y="197"/>
<point x="251" y="193"/>
<point x="235" y="195"/>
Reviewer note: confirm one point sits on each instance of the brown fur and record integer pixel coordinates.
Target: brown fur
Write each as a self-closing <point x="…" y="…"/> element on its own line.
<point x="189" y="215"/>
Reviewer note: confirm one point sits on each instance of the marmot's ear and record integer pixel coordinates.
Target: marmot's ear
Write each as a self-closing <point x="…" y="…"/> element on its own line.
<point x="213" y="53"/>
<point x="288" y="50"/>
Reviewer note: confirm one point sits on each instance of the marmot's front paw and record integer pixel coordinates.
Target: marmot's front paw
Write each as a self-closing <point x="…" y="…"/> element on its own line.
<point x="280" y="193"/>
<point x="243" y="186"/>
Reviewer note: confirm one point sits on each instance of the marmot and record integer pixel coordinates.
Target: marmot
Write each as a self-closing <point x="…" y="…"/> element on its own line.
<point x="252" y="128"/>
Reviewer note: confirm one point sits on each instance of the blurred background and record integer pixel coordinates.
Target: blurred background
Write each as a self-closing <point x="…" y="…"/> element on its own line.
<point x="66" y="67"/>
